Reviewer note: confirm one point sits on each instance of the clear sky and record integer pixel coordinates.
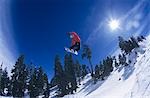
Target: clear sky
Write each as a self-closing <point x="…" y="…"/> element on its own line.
<point x="40" y="26"/>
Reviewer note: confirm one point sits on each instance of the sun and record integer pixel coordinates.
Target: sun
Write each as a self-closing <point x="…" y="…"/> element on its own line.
<point x="114" y="24"/>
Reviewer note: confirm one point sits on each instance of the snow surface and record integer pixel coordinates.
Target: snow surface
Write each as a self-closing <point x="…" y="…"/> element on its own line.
<point x="134" y="83"/>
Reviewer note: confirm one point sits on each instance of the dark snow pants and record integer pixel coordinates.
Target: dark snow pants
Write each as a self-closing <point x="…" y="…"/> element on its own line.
<point x="76" y="46"/>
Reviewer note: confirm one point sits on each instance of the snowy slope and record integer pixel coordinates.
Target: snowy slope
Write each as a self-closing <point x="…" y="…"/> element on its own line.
<point x="134" y="83"/>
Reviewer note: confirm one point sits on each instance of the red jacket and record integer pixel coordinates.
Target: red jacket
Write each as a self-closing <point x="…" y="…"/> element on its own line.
<point x="75" y="39"/>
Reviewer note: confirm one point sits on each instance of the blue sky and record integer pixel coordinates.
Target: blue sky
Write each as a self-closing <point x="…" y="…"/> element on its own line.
<point x="40" y="26"/>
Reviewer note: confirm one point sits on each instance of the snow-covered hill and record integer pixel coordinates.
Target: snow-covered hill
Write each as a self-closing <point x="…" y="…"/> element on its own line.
<point x="134" y="83"/>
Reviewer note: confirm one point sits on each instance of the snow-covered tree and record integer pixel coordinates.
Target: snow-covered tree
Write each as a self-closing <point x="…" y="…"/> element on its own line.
<point x="134" y="42"/>
<point x="116" y="64"/>
<point x="127" y="45"/>
<point x="46" y="86"/>
<point x="5" y="82"/>
<point x="84" y="71"/>
<point x="97" y="74"/>
<point x="19" y="78"/>
<point x="32" y="87"/>
<point x="101" y="71"/>
<point x="70" y="73"/>
<point x="122" y="59"/>
<point x="40" y="80"/>
<point x="108" y="66"/>
<point x="78" y="71"/>
<point x="60" y="77"/>
<point x="38" y="83"/>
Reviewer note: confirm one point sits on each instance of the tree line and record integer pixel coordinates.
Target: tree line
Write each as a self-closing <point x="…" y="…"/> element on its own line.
<point x="107" y="65"/>
<point x="33" y="81"/>
<point x="68" y="76"/>
<point x="24" y="80"/>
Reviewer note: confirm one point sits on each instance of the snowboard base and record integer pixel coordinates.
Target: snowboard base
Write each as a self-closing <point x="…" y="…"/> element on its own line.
<point x="71" y="51"/>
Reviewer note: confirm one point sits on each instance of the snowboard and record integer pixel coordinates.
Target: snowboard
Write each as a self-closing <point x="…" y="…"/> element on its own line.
<point x="71" y="51"/>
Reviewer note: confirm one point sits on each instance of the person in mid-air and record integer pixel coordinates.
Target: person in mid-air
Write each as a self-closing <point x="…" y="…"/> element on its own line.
<point x="75" y="45"/>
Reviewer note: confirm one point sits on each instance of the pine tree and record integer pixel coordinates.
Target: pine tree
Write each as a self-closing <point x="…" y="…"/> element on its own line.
<point x="101" y="71"/>
<point x="32" y="87"/>
<point x="60" y="77"/>
<point x="40" y="80"/>
<point x="19" y="78"/>
<point x="139" y="39"/>
<point x="127" y="46"/>
<point x="46" y="86"/>
<point x="84" y="71"/>
<point x="9" y="88"/>
<point x="97" y="70"/>
<point x="108" y="68"/>
<point x="78" y="71"/>
<point x="121" y="43"/>
<point x="87" y="53"/>
<point x="70" y="73"/>
<point x="134" y="43"/>
<point x="97" y="74"/>
<point x="4" y="81"/>
<point x="67" y="72"/>
<point x="122" y="59"/>
<point x="30" y="69"/>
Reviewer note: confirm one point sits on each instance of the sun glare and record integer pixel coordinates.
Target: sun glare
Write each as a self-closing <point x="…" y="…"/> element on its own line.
<point x="114" y="24"/>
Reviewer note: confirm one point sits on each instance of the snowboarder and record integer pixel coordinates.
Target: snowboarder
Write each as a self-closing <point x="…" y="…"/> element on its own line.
<point x="75" y="45"/>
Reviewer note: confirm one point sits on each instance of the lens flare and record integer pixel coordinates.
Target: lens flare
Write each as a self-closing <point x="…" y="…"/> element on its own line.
<point x="114" y="24"/>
